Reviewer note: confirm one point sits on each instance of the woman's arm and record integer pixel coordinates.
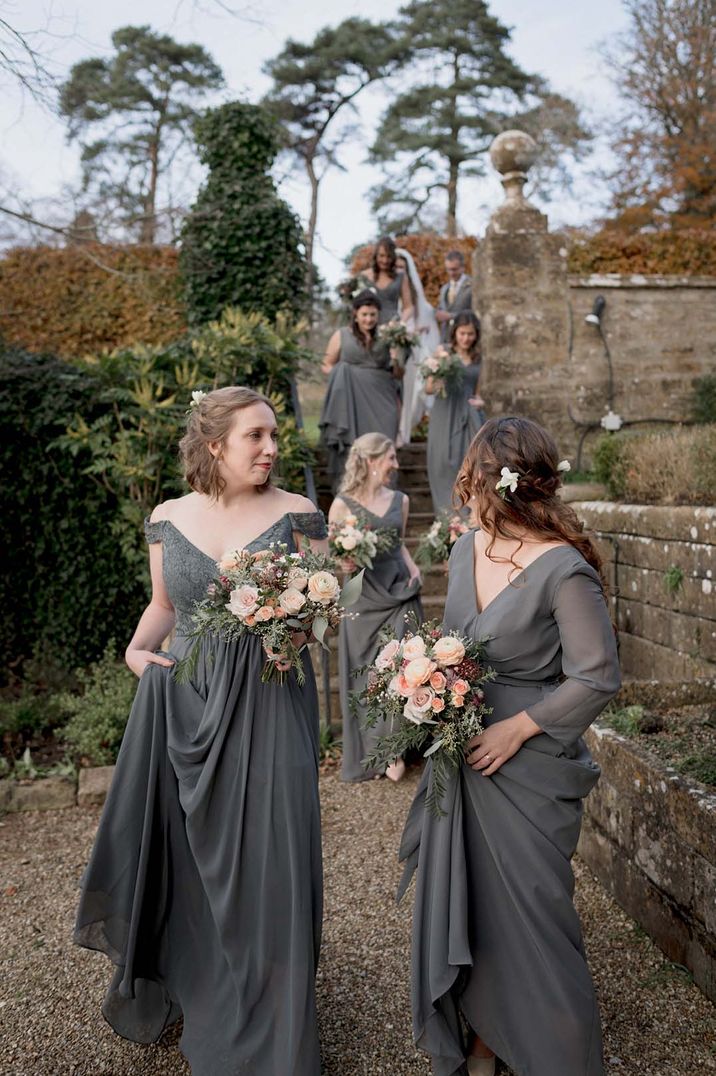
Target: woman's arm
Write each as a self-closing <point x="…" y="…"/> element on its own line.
<point x="155" y="623"/>
<point x="404" y="551"/>
<point x="430" y="386"/>
<point x="333" y="353"/>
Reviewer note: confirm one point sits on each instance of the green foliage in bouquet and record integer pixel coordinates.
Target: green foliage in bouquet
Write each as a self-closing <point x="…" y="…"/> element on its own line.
<point x="435" y="545"/>
<point x="98" y="716"/>
<point x="66" y="586"/>
<point x="127" y="443"/>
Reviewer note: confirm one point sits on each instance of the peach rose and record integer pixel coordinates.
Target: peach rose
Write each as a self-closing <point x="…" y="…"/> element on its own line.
<point x="437" y="705"/>
<point x="399" y="686"/>
<point x="230" y="560"/>
<point x="348" y="538"/>
<point x="448" y="650"/>
<point x="323" y="588"/>
<point x="250" y="620"/>
<point x="292" y="600"/>
<point x="280" y="613"/>
<point x="461" y="687"/>
<point x="438" y="681"/>
<point x="457" y="700"/>
<point x="243" y="600"/>
<point x="413" y="648"/>
<point x="386" y="657"/>
<point x="418" y="708"/>
<point x="263" y="614"/>
<point x="418" y="671"/>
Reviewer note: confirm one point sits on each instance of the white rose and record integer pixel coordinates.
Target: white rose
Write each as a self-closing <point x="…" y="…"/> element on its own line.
<point x="386" y="657"/>
<point x="243" y="600"/>
<point x="348" y="541"/>
<point x="298" y="579"/>
<point x="448" y="650"/>
<point x="413" y="647"/>
<point x="292" y="600"/>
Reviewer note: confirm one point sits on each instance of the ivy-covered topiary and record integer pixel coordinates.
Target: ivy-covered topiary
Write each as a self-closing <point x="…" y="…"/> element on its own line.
<point x="241" y="244"/>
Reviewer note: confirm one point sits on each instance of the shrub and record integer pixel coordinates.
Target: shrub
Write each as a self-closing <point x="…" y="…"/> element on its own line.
<point x="26" y="717"/>
<point x="675" y="467"/>
<point x="241" y="244"/>
<point x="89" y="298"/>
<point x="65" y="585"/>
<point x="687" y="252"/>
<point x="97" y="717"/>
<point x="704" y="405"/>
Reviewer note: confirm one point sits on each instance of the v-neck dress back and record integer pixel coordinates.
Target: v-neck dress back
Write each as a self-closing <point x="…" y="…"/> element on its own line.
<point x="496" y="937"/>
<point x="205" y="883"/>
<point x="386" y="599"/>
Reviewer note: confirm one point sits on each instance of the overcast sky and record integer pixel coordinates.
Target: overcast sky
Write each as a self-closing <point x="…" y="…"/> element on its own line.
<point x="556" y="38"/>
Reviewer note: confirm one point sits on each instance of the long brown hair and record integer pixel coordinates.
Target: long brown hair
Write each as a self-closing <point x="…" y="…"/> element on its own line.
<point x="364" y="298"/>
<point x="387" y="244"/>
<point x="466" y="317"/>
<point x="526" y="448"/>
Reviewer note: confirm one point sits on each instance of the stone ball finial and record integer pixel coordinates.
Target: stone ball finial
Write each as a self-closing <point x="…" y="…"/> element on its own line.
<point x="513" y="153"/>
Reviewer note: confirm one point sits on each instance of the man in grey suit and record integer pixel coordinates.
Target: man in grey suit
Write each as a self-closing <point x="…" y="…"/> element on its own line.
<point x="456" y="295"/>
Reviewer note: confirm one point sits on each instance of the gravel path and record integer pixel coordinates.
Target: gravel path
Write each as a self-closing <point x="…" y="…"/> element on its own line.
<point x="656" y="1021"/>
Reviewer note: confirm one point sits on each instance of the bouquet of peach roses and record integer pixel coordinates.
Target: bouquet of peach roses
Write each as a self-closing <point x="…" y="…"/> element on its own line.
<point x="354" y="538"/>
<point x="445" y="367"/>
<point x="429" y="686"/>
<point x="435" y="545"/>
<point x="273" y="594"/>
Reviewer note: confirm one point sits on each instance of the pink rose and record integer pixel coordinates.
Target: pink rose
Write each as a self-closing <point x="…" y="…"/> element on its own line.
<point x="457" y="700"/>
<point x="461" y="687"/>
<point x="386" y="657"/>
<point x="399" y="686"/>
<point x="418" y="671"/>
<point x="437" y="704"/>
<point x="323" y="588"/>
<point x="418" y="708"/>
<point x="413" y="647"/>
<point x="438" y="681"/>
<point x="448" y="650"/>
<point x="263" y="614"/>
<point x="292" y="600"/>
<point x="250" y="620"/>
<point x="297" y="579"/>
<point x="243" y="600"/>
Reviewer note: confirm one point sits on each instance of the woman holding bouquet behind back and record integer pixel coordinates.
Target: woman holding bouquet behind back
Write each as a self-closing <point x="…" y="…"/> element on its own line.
<point x="391" y="587"/>
<point x="496" y="941"/>
<point x="457" y="412"/>
<point x="204" y="885"/>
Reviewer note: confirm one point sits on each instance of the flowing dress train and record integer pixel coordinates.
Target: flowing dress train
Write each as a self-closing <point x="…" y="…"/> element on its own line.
<point x="204" y="886"/>
<point x="496" y="939"/>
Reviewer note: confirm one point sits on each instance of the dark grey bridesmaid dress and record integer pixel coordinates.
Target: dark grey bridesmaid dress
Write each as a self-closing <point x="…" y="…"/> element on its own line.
<point x="453" y="424"/>
<point x="361" y="398"/>
<point x="389" y="299"/>
<point x="204" y="886"/>
<point x="386" y="598"/>
<point x="496" y="937"/>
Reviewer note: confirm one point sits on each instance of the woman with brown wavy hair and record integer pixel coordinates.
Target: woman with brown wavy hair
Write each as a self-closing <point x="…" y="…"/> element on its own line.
<point x="497" y="943"/>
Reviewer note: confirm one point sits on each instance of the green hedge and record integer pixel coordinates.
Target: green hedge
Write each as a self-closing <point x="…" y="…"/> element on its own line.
<point x="66" y="587"/>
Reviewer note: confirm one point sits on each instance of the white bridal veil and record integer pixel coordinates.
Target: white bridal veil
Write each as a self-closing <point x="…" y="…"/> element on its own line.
<point x="415" y="402"/>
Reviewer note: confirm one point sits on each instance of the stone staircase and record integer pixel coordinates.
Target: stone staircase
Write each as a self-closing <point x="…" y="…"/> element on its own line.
<point x="413" y="480"/>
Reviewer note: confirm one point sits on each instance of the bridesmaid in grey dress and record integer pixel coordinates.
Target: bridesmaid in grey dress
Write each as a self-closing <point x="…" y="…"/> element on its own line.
<point x="496" y="938"/>
<point x="362" y="394"/>
<point x="204" y="885"/>
<point x="390" y="285"/>
<point x="391" y="588"/>
<point x="455" y="418"/>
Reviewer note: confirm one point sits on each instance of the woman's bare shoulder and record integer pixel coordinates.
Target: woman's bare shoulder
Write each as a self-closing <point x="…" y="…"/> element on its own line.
<point x="173" y="508"/>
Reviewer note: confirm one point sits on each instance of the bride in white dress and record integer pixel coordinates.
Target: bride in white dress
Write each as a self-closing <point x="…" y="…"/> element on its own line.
<point x="422" y="320"/>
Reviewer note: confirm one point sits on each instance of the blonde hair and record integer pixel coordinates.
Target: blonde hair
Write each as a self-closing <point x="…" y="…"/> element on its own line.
<point x="211" y="420"/>
<point x="367" y="447"/>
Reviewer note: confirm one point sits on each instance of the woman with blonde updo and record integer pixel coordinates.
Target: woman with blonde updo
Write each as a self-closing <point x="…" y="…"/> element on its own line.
<point x="497" y="944"/>
<point x="391" y="587"/>
<point x="204" y="886"/>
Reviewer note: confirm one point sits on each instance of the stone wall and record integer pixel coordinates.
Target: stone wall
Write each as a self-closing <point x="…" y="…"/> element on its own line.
<point x="665" y="632"/>
<point x="649" y="835"/>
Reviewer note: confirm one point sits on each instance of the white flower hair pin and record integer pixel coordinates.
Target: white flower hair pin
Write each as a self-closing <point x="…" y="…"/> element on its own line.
<point x="507" y="481"/>
<point x="196" y="397"/>
<point x="564" y="465"/>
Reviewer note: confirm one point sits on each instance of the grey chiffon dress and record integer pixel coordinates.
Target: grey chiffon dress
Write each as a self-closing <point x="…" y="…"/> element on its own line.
<point x="204" y="887"/>
<point x="361" y="398"/>
<point x="387" y="597"/>
<point x="496" y="939"/>
<point x="453" y="424"/>
<point x="389" y="299"/>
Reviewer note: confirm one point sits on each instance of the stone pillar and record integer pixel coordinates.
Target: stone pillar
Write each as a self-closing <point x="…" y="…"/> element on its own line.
<point x="521" y="294"/>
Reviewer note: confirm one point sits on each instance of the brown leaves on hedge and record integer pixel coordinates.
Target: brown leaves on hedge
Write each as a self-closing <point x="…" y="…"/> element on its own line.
<point x="89" y="298"/>
<point x="686" y="252"/>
